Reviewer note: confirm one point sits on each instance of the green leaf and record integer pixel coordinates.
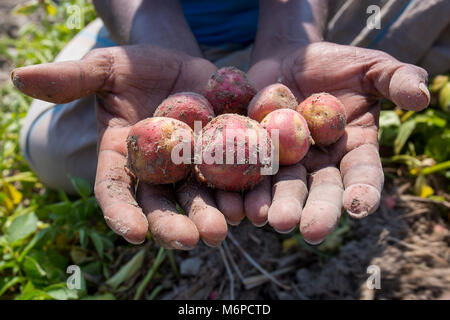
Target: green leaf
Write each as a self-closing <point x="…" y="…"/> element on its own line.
<point x="127" y="271"/>
<point x="34" y="271"/>
<point x="432" y="118"/>
<point x="98" y="243"/>
<point x="26" y="8"/>
<point x="438" y="146"/>
<point x="35" y="294"/>
<point x="32" y="243"/>
<point x="78" y="255"/>
<point x="403" y="135"/>
<point x="61" y="292"/>
<point x="22" y="227"/>
<point x="106" y="296"/>
<point x="388" y="119"/>
<point x="60" y="208"/>
<point x="444" y="97"/>
<point x="438" y="82"/>
<point x="82" y="186"/>
<point x="389" y="124"/>
<point x="26" y="176"/>
<point x="92" y="268"/>
<point x="8" y="284"/>
<point x="83" y="238"/>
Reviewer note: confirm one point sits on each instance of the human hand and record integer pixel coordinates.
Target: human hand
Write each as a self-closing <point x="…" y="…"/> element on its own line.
<point x="359" y="78"/>
<point x="129" y="83"/>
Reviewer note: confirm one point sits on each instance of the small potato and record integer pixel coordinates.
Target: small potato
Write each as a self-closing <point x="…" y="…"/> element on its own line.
<point x="156" y="149"/>
<point x="326" y="117"/>
<point x="187" y="107"/>
<point x="273" y="97"/>
<point x="229" y="91"/>
<point x="293" y="134"/>
<point x="232" y="153"/>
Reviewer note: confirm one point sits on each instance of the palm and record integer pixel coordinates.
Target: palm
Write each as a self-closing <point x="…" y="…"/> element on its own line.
<point x="129" y="83"/>
<point x="325" y="68"/>
<point x="359" y="78"/>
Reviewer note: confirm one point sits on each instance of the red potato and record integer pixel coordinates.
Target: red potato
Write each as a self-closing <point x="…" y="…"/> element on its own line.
<point x="326" y="117"/>
<point x="229" y="91"/>
<point x="235" y="149"/>
<point x="187" y="107"/>
<point x="293" y="134"/>
<point x="273" y="97"/>
<point x="156" y="146"/>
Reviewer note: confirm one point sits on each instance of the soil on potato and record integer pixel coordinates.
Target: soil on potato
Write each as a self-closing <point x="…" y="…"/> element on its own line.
<point x="406" y="242"/>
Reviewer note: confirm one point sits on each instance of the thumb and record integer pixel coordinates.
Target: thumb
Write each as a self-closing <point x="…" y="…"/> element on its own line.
<point x="402" y="83"/>
<point x="62" y="82"/>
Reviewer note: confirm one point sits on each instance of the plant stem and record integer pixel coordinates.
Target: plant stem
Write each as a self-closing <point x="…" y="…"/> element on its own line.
<point x="437" y="167"/>
<point x="155" y="292"/>
<point x="173" y="264"/>
<point x="159" y="259"/>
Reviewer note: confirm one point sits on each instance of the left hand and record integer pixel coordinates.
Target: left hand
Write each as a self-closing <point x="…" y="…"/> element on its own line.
<point x="359" y="78"/>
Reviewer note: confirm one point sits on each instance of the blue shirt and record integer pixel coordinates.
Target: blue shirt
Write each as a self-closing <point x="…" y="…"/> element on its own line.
<point x="223" y="22"/>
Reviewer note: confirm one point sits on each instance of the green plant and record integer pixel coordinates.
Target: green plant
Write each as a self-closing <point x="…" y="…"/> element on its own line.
<point x="42" y="231"/>
<point x="421" y="141"/>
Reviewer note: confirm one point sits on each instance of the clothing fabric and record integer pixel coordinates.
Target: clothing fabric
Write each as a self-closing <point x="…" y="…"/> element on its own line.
<point x="217" y="23"/>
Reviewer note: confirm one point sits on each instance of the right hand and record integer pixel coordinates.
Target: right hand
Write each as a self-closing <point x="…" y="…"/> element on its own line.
<point x="130" y="82"/>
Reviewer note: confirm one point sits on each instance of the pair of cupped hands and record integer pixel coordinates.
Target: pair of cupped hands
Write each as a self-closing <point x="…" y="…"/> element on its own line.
<point x="131" y="81"/>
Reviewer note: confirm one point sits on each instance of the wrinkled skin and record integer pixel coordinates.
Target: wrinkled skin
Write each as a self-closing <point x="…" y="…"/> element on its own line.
<point x="130" y="82"/>
<point x="359" y="78"/>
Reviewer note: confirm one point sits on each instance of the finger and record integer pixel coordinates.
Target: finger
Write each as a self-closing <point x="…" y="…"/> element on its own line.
<point x="114" y="189"/>
<point x="257" y="202"/>
<point x="231" y="205"/>
<point x="404" y="84"/>
<point x="363" y="179"/>
<point x="289" y="194"/>
<point x="198" y="203"/>
<point x="361" y="130"/>
<point x="323" y="206"/>
<point x="168" y="228"/>
<point x="62" y="82"/>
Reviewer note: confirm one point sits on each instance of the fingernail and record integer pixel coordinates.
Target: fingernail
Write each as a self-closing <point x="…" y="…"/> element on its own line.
<point x="284" y="231"/>
<point x="16" y="80"/>
<point x="260" y="224"/>
<point x="358" y="215"/>
<point x="314" y="243"/>
<point x="134" y="241"/>
<point x="425" y="91"/>
<point x="210" y="244"/>
<point x="180" y="246"/>
<point x="233" y="223"/>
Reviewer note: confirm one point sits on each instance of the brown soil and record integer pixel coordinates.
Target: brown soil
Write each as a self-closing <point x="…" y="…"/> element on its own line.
<point x="409" y="243"/>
